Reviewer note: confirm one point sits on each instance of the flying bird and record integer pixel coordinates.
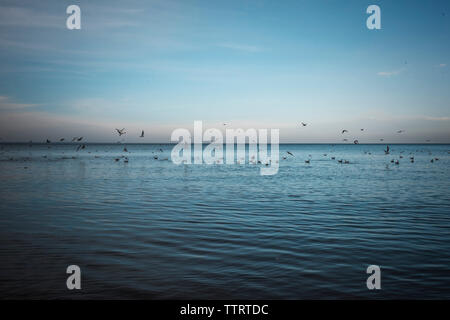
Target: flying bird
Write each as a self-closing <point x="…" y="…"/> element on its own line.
<point x="120" y="132"/>
<point x="362" y="129"/>
<point x="80" y="138"/>
<point x="61" y="140"/>
<point x="142" y="134"/>
<point x="304" y="124"/>
<point x="290" y="153"/>
<point x="400" y="131"/>
<point x="356" y="142"/>
<point x="344" y="131"/>
<point x="48" y="141"/>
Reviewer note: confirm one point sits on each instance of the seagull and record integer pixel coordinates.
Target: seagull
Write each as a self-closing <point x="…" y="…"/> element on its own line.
<point x="304" y="124"/>
<point x="400" y="131"/>
<point x="48" y="141"/>
<point x="61" y="140"/>
<point x="81" y="146"/>
<point x="356" y="142"/>
<point x="307" y="161"/>
<point x="142" y="134"/>
<point x="120" y="132"/>
<point x="343" y="131"/>
<point x="80" y="138"/>
<point x="125" y="149"/>
<point x="397" y="162"/>
<point x="387" y="150"/>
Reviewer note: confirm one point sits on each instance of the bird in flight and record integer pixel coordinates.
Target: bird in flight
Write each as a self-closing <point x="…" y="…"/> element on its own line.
<point x="120" y="132"/>
<point x="400" y="131"/>
<point x="80" y="138"/>
<point x="356" y="142"/>
<point x="48" y="141"/>
<point x="304" y="124"/>
<point x="142" y="134"/>
<point x="362" y="129"/>
<point x="61" y="140"/>
<point x="344" y="131"/>
<point x="290" y="153"/>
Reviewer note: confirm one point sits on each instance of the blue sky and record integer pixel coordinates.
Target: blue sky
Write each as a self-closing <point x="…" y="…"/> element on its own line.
<point x="160" y="65"/>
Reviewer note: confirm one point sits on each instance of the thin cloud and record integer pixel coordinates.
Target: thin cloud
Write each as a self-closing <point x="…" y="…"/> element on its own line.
<point x="437" y="118"/>
<point x="25" y="17"/>
<point x="7" y="104"/>
<point x="388" y="73"/>
<point x="443" y="65"/>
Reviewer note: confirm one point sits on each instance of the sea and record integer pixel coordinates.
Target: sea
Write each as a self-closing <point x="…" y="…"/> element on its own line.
<point x="141" y="227"/>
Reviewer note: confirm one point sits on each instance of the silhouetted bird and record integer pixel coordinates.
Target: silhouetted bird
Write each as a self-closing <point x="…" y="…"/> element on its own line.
<point x="121" y="131"/>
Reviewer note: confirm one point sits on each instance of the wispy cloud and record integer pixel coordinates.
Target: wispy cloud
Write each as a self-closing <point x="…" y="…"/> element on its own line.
<point x="240" y="47"/>
<point x="25" y="17"/>
<point x="443" y="65"/>
<point x="7" y="104"/>
<point x="389" y="73"/>
<point x="437" y="118"/>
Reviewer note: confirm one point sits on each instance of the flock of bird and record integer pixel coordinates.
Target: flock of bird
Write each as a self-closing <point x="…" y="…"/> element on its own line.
<point x="122" y="131"/>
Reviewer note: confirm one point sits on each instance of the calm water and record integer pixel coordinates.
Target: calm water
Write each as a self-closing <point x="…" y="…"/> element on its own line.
<point x="151" y="229"/>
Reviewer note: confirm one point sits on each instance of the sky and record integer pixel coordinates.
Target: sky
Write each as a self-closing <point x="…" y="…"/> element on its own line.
<point x="158" y="65"/>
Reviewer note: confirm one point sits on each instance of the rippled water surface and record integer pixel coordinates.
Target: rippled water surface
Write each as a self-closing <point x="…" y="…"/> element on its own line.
<point x="151" y="229"/>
